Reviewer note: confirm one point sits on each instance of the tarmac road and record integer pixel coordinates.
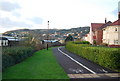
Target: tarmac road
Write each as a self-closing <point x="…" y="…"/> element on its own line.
<point x="74" y="64"/>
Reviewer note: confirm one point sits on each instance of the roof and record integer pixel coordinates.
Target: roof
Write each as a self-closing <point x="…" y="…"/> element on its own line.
<point x="13" y="39"/>
<point x="50" y="41"/>
<point x="96" y="25"/>
<point x="10" y="38"/>
<point x="3" y="38"/>
<point x="105" y="25"/>
<point x="117" y="22"/>
<point x="86" y="35"/>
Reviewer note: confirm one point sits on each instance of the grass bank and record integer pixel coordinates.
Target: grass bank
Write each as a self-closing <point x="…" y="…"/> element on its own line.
<point x="42" y="65"/>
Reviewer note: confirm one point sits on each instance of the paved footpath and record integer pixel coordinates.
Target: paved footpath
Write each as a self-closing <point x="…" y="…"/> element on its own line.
<point x="82" y="69"/>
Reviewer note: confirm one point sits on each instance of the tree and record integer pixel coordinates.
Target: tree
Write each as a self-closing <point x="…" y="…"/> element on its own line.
<point x="33" y="40"/>
<point x="69" y="38"/>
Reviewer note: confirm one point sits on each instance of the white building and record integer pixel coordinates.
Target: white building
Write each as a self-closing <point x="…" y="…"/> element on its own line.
<point x="86" y="37"/>
<point x="8" y="41"/>
<point x="111" y="34"/>
<point x="3" y="41"/>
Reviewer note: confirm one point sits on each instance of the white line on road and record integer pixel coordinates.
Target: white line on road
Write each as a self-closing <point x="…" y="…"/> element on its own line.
<point x="76" y="61"/>
<point x="104" y="71"/>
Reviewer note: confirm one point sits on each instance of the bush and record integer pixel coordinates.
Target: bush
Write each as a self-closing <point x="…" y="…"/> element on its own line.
<point x="104" y="44"/>
<point x="81" y="42"/>
<point x="14" y="55"/>
<point x="107" y="57"/>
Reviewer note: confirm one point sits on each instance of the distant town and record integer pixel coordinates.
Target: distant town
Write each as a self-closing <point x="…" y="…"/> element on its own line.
<point x="41" y="34"/>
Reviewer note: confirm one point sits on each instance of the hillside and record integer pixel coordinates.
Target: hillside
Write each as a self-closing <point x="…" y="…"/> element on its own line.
<point x="57" y="33"/>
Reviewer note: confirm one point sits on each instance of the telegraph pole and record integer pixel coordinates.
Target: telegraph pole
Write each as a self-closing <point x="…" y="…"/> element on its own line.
<point x="47" y="35"/>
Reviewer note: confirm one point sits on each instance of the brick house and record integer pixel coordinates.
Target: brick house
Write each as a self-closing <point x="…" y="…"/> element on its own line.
<point x="93" y="27"/>
<point x="91" y="36"/>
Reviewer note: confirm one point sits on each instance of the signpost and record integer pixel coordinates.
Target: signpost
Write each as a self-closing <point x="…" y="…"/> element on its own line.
<point x="47" y="35"/>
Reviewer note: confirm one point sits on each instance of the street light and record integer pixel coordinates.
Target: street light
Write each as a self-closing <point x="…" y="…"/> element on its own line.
<point x="47" y="35"/>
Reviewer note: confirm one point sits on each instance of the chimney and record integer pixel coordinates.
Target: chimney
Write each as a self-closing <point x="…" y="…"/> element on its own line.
<point x="105" y="20"/>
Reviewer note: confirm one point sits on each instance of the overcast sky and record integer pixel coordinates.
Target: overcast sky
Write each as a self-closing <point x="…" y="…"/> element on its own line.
<point x="62" y="14"/>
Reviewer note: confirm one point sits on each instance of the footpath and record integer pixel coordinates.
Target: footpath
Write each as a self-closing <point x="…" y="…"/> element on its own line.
<point x="82" y="69"/>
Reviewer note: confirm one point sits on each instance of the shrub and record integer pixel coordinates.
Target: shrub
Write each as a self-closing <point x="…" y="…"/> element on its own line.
<point x="7" y="60"/>
<point x="94" y="42"/>
<point x="104" y="44"/>
<point x="107" y="57"/>
<point x="14" y="55"/>
<point x="82" y="42"/>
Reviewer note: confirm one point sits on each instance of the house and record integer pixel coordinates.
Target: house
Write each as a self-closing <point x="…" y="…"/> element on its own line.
<point x="51" y="43"/>
<point x="99" y="33"/>
<point x="86" y="37"/>
<point x="8" y="41"/>
<point x="95" y="34"/>
<point x="62" y="41"/>
<point x="3" y="41"/>
<point x="92" y="35"/>
<point x="111" y="33"/>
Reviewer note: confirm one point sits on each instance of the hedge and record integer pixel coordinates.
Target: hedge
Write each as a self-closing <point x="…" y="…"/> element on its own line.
<point x="107" y="57"/>
<point x="81" y="42"/>
<point x="14" y="55"/>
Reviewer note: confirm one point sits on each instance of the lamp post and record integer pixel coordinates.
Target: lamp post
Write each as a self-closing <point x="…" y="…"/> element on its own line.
<point x="47" y="35"/>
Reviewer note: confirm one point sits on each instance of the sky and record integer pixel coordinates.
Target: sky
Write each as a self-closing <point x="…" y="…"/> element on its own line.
<point x="61" y="14"/>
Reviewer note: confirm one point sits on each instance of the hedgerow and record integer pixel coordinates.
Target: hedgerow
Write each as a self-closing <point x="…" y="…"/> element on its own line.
<point x="81" y="42"/>
<point x="14" y="55"/>
<point x="107" y="57"/>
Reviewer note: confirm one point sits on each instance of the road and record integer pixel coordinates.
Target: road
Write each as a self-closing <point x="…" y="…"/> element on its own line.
<point x="78" y="68"/>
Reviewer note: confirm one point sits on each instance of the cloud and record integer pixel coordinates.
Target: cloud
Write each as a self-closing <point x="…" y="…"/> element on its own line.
<point x="7" y="23"/>
<point x="72" y="13"/>
<point x="8" y="6"/>
<point x="119" y="6"/>
<point x="16" y="14"/>
<point x="115" y="11"/>
<point x="36" y="20"/>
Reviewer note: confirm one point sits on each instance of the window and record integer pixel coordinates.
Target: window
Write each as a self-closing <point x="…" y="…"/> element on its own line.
<point x="115" y="41"/>
<point x="116" y="29"/>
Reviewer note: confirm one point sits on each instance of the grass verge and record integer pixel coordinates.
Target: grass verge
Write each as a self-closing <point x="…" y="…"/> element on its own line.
<point x="42" y="65"/>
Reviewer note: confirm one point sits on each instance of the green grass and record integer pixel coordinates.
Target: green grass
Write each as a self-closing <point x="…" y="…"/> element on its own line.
<point x="42" y="65"/>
